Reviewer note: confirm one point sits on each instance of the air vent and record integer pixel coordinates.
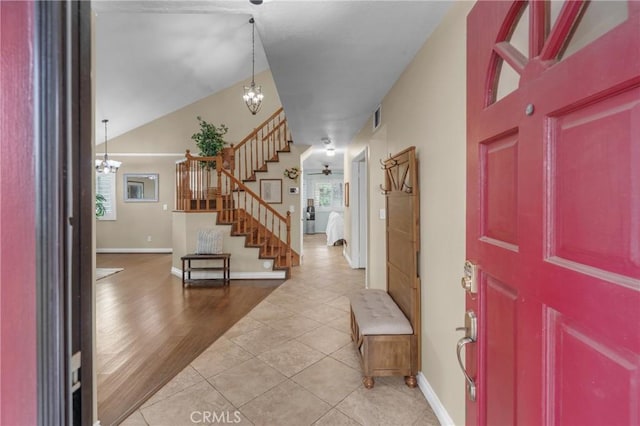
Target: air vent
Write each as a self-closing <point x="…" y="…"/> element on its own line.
<point x="377" y="118"/>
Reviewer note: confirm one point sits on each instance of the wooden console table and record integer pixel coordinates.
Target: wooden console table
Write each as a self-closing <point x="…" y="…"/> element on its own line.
<point x="187" y="268"/>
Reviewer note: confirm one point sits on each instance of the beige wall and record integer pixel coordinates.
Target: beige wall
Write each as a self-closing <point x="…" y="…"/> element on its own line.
<point x="244" y="261"/>
<point x="156" y="146"/>
<point x="426" y="108"/>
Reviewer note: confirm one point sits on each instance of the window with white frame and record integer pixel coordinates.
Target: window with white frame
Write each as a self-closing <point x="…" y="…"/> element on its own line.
<point x="106" y="186"/>
<point x="328" y="194"/>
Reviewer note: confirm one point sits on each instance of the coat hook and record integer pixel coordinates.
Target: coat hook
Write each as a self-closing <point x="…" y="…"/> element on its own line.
<point x="384" y="191"/>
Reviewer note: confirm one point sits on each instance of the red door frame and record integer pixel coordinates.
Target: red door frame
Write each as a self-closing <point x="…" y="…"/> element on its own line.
<point x="18" y="397"/>
<point x="46" y="212"/>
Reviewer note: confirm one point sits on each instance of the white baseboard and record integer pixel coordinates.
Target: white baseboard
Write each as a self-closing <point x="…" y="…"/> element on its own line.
<point x="97" y="423"/>
<point x="266" y="275"/>
<point x="438" y="409"/>
<point x="346" y="256"/>
<point x="134" y="250"/>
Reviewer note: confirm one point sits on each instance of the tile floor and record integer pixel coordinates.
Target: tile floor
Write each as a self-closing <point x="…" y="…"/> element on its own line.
<point x="290" y="361"/>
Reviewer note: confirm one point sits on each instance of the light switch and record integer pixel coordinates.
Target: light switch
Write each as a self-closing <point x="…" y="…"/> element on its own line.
<point x="164" y="207"/>
<point x="383" y="214"/>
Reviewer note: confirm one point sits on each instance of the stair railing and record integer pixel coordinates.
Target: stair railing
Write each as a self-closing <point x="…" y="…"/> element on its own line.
<point x="252" y="216"/>
<point x="196" y="186"/>
<point x="203" y="184"/>
<point x="261" y="146"/>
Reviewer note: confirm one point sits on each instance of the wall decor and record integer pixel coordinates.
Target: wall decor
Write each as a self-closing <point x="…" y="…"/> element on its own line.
<point x="271" y="190"/>
<point x="140" y="187"/>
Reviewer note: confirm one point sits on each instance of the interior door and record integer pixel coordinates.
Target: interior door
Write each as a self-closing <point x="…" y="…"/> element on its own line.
<point x="553" y="212"/>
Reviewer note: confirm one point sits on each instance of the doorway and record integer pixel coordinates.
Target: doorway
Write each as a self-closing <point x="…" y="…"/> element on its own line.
<point x="359" y="208"/>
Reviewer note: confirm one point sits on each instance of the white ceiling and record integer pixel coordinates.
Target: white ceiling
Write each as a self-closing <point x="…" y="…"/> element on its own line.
<point x="332" y="61"/>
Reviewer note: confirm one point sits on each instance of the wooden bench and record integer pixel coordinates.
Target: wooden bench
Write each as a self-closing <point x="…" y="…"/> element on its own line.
<point x="386" y="324"/>
<point x="187" y="268"/>
<point x="384" y="336"/>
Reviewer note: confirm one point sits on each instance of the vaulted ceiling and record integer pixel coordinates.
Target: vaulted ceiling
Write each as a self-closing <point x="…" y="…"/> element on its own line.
<point x="332" y="61"/>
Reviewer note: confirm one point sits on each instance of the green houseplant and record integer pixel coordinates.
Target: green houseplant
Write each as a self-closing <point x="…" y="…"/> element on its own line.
<point x="210" y="138"/>
<point x="100" y="208"/>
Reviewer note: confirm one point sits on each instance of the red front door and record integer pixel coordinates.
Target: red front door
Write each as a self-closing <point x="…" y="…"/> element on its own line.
<point x="553" y="212"/>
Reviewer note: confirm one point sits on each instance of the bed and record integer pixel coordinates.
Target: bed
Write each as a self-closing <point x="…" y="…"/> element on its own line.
<point x="335" y="229"/>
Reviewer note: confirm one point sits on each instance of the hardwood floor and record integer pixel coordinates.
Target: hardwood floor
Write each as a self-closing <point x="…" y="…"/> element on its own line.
<point x="148" y="328"/>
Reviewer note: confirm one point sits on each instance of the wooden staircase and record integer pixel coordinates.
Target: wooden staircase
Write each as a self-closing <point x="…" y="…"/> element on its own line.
<point x="259" y="236"/>
<point x="218" y="184"/>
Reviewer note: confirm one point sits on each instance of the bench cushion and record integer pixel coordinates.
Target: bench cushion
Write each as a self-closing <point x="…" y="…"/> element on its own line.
<point x="377" y="313"/>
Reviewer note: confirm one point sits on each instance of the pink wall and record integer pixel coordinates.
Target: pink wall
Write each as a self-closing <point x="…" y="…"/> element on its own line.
<point x="17" y="226"/>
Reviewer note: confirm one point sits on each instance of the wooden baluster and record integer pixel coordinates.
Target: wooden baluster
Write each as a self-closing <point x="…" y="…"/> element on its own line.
<point x="279" y="240"/>
<point x="273" y="230"/>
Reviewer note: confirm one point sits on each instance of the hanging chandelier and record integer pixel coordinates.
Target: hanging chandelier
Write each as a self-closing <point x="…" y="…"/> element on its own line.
<point x="105" y="165"/>
<point x="253" y="94"/>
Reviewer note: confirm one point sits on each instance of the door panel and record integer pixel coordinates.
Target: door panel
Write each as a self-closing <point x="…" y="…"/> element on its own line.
<point x="553" y="212"/>
<point x="578" y="390"/>
<point x="592" y="221"/>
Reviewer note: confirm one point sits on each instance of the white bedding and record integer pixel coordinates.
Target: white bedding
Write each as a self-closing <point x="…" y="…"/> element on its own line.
<point x="335" y="228"/>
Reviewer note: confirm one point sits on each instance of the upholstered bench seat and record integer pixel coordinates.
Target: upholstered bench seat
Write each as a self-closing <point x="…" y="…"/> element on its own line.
<point x="385" y="338"/>
<point x="377" y="313"/>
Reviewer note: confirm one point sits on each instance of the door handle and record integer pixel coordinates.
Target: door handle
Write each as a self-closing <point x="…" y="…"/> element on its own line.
<point x="471" y="385"/>
<point x="470" y="335"/>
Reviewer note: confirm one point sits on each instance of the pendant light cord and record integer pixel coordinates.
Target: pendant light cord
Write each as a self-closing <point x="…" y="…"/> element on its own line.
<point x="105" y="121"/>
<point x="253" y="51"/>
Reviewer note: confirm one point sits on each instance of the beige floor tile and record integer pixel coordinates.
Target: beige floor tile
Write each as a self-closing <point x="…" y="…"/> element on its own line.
<point x="427" y="418"/>
<point x="398" y="383"/>
<point x="135" y="419"/>
<point x="349" y="355"/>
<point x="340" y="302"/>
<point x="318" y="295"/>
<point x="294" y="326"/>
<point x="342" y="323"/>
<point x="325" y="339"/>
<point x="181" y="409"/>
<point x="243" y="326"/>
<point x="261" y="340"/>
<point x="382" y="405"/>
<point x="291" y="357"/>
<point x="286" y="404"/>
<point x="246" y="381"/>
<point x="186" y="378"/>
<point x="322" y="313"/>
<point x="336" y="418"/>
<point x="294" y="303"/>
<point x="329" y="380"/>
<point x="266" y="311"/>
<point x="220" y="356"/>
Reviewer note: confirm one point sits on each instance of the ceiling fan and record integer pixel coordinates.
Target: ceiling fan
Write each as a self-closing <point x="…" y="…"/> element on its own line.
<point x="327" y="171"/>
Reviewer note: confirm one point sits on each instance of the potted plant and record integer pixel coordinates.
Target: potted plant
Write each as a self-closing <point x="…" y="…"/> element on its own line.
<point x="100" y="208"/>
<point x="210" y="140"/>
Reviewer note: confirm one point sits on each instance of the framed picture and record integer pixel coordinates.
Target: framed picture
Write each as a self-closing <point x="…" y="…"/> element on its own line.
<point x="140" y="187"/>
<point x="346" y="194"/>
<point x="271" y="190"/>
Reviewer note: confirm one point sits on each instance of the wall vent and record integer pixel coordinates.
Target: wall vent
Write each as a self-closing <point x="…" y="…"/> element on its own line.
<point x="377" y="117"/>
